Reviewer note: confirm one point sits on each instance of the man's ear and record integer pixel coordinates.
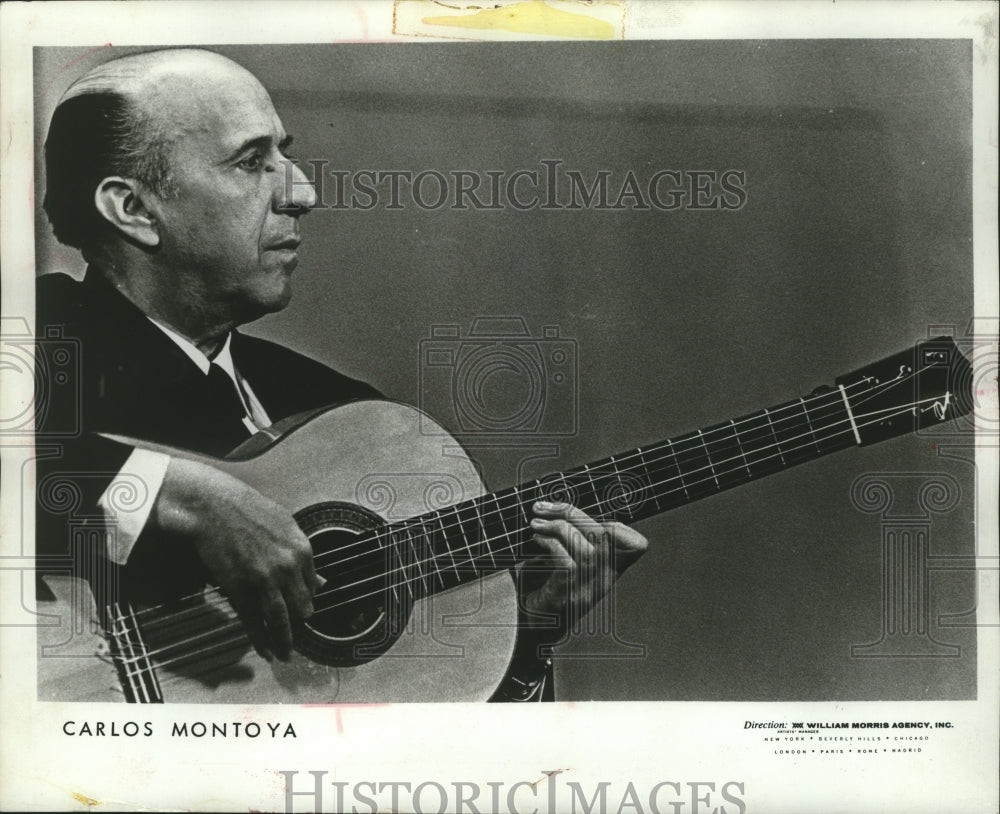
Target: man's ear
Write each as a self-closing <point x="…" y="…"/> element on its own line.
<point x="120" y="202"/>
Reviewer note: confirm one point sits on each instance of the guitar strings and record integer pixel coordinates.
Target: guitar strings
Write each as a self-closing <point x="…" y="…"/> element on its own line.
<point x="129" y="661"/>
<point x="242" y="637"/>
<point x="833" y="399"/>
<point x="684" y="487"/>
<point x="711" y="439"/>
<point x="644" y="456"/>
<point x="141" y="679"/>
<point x="792" y="409"/>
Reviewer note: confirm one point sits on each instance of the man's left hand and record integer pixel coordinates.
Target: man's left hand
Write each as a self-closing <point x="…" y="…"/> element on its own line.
<point x="578" y="561"/>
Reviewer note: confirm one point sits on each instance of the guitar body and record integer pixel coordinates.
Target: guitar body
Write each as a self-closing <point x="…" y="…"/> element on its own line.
<point x="341" y="472"/>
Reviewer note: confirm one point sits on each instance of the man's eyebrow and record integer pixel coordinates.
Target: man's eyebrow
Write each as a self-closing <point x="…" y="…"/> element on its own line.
<point x="259" y="143"/>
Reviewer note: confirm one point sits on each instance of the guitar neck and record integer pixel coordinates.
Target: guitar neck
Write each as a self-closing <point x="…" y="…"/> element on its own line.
<point x="911" y="390"/>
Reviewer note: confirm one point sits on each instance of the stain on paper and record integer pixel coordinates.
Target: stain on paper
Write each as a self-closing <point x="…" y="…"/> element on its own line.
<point x="525" y="18"/>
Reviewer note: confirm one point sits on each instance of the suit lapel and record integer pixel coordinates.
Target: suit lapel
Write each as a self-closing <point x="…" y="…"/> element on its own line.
<point x="147" y="387"/>
<point x="141" y="351"/>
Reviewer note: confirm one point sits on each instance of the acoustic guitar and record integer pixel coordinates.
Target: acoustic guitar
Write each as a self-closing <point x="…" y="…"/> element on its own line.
<point x="420" y="604"/>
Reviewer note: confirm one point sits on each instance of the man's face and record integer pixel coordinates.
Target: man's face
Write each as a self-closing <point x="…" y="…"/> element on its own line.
<point x="230" y="233"/>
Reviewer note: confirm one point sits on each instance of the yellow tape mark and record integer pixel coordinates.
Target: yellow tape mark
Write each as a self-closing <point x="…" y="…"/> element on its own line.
<point x="530" y="17"/>
<point x="83" y="799"/>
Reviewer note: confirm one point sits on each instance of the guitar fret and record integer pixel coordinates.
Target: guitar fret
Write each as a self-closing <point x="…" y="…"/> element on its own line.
<point x="461" y="530"/>
<point x="490" y="516"/>
<point x="812" y="429"/>
<point x="708" y="457"/>
<point x="467" y="524"/>
<point x="405" y="577"/>
<point x="520" y="509"/>
<point x="649" y="480"/>
<point x="391" y="570"/>
<point x="695" y="466"/>
<point x="597" y="508"/>
<point x="759" y="445"/>
<point x="485" y="537"/>
<point x="622" y="488"/>
<point x="668" y="486"/>
<point x="447" y="547"/>
<point x="672" y="449"/>
<point x="519" y="501"/>
<point x="791" y="423"/>
<point x="416" y="560"/>
<point x="626" y="500"/>
<point x="562" y="492"/>
<point x="736" y="437"/>
<point x="504" y="531"/>
<point x="727" y="455"/>
<point x="777" y="444"/>
<point x="536" y="491"/>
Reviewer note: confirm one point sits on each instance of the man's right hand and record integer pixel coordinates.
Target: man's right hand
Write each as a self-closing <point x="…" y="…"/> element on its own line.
<point x="250" y="545"/>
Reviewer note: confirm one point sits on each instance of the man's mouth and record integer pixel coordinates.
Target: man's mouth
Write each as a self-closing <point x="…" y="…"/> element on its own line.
<point x="289" y="244"/>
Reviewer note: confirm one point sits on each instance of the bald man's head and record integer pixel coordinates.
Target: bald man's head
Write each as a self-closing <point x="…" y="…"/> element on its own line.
<point x="119" y="119"/>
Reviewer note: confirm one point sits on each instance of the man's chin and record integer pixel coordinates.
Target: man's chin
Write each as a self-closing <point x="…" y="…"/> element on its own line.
<point x="270" y="301"/>
<point x="279" y="299"/>
<point x="278" y="289"/>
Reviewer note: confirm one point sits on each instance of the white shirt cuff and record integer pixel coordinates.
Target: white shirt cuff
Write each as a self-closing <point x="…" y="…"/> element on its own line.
<point x="129" y="499"/>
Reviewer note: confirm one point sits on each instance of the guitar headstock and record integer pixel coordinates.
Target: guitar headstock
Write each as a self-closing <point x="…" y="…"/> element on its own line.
<point x="909" y="391"/>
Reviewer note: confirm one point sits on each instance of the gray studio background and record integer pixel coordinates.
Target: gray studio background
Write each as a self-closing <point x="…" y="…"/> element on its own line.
<point x="856" y="236"/>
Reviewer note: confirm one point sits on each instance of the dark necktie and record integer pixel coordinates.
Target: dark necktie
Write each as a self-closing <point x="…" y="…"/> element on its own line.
<point x="227" y="398"/>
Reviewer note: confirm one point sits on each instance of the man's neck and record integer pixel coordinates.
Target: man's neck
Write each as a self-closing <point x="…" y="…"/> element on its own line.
<point x="209" y="351"/>
<point x="194" y="325"/>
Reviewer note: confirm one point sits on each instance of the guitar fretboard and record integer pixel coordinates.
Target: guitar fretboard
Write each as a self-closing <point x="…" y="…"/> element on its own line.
<point x="453" y="545"/>
<point x="919" y="387"/>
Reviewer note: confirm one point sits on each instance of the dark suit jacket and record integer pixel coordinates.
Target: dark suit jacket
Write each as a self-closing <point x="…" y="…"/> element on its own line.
<point x="129" y="378"/>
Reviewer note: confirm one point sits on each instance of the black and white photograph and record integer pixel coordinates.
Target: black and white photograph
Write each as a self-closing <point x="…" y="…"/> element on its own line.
<point x="518" y="406"/>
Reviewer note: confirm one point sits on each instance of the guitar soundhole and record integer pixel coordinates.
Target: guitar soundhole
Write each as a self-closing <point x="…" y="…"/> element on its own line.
<point x="360" y="612"/>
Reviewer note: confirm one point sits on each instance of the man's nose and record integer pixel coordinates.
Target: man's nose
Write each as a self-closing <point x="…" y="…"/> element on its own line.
<point x="294" y="192"/>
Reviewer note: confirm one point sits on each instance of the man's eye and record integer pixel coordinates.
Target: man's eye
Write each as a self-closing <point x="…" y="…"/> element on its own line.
<point x="251" y="162"/>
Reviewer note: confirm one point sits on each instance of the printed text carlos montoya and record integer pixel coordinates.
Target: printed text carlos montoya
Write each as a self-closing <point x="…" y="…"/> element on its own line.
<point x="186" y="729"/>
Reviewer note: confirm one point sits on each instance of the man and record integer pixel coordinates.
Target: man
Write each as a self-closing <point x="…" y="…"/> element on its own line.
<point x="168" y="170"/>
